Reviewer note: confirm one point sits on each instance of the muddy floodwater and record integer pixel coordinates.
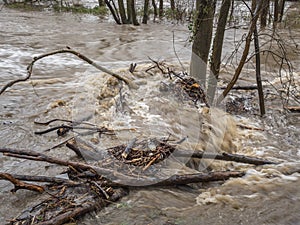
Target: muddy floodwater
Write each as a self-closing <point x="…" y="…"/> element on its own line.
<point x="62" y="86"/>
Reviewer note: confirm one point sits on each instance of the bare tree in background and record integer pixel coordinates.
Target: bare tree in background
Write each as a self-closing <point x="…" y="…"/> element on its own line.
<point x="161" y="8"/>
<point x="119" y="14"/>
<point x="146" y="11"/>
<point x="264" y="13"/>
<point x="217" y="49"/>
<point x="203" y="27"/>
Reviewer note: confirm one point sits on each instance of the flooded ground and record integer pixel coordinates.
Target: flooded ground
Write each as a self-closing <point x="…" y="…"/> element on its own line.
<point x="64" y="87"/>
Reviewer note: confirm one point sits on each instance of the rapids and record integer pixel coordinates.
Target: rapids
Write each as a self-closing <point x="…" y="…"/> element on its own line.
<point x="64" y="87"/>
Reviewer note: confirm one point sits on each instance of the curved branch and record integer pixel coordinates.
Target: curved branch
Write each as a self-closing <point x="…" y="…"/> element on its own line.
<point x="244" y="55"/>
<point x="79" y="55"/>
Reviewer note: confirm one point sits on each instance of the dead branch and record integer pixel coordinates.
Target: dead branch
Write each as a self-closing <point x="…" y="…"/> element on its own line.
<point x="244" y="55"/>
<point x="199" y="177"/>
<point x="44" y="179"/>
<point x="100" y="130"/>
<point x="246" y="88"/>
<point x="295" y="109"/>
<point x="79" y="55"/>
<point x="21" y="185"/>
<point x="225" y="157"/>
<point x="32" y="155"/>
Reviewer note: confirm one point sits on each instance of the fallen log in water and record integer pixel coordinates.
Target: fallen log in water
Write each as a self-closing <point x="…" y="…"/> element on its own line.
<point x="102" y="185"/>
<point x="224" y="156"/>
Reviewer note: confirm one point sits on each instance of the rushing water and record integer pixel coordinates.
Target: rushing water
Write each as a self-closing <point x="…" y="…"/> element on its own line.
<point x="62" y="86"/>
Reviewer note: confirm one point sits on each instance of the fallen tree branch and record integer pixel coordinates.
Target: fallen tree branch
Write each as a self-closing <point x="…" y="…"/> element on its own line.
<point x="79" y="55"/>
<point x="295" y="109"/>
<point x="246" y="88"/>
<point x="66" y="127"/>
<point x="225" y="157"/>
<point x="21" y="185"/>
<point x="32" y="155"/>
<point x="199" y="177"/>
<point x="44" y="179"/>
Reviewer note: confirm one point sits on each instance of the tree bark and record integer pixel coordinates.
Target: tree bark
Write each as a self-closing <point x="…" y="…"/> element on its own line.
<point x="202" y="39"/>
<point x="276" y="12"/>
<point x="113" y="12"/>
<point x="245" y="52"/>
<point x="264" y="13"/>
<point x="154" y="9"/>
<point x="200" y="177"/>
<point x="258" y="74"/>
<point x="224" y="157"/>
<point x="133" y="11"/>
<point x="281" y="9"/>
<point x="146" y="11"/>
<point x="161" y="8"/>
<point x="122" y="11"/>
<point x="217" y="50"/>
<point x="129" y="11"/>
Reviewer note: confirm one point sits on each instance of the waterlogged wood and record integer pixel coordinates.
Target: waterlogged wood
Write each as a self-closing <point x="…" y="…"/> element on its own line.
<point x="199" y="177"/>
<point x="295" y="109"/>
<point x="19" y="184"/>
<point x="32" y="155"/>
<point x="225" y="157"/>
<point x="79" y="55"/>
<point x="85" y="208"/>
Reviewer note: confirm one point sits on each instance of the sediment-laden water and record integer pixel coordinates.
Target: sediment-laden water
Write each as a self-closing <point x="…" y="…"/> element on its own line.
<point x="62" y="86"/>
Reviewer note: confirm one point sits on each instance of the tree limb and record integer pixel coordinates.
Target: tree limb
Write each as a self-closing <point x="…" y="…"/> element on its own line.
<point x="79" y="55"/>
<point x="21" y="185"/>
<point x="244" y="55"/>
<point x="225" y="157"/>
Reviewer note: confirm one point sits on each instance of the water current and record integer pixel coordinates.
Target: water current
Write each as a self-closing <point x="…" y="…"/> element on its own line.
<point x="62" y="86"/>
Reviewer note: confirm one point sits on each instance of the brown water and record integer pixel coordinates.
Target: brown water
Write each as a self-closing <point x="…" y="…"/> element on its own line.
<point x="266" y="195"/>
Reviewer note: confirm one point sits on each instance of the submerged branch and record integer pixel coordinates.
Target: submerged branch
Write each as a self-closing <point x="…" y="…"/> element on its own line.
<point x="225" y="157"/>
<point x="199" y="177"/>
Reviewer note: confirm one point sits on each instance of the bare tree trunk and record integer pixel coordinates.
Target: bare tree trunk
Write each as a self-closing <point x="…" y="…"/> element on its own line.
<point x="202" y="40"/>
<point x="231" y="11"/>
<point x="161" y="8"/>
<point x="246" y="50"/>
<point x="217" y="50"/>
<point x="101" y="3"/>
<point x="172" y="2"/>
<point x="122" y="11"/>
<point x="258" y="74"/>
<point x="134" y="19"/>
<point x="264" y="13"/>
<point x="155" y="9"/>
<point x="281" y="9"/>
<point x="276" y="12"/>
<point x="113" y="12"/>
<point x="146" y="9"/>
<point x="129" y="11"/>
